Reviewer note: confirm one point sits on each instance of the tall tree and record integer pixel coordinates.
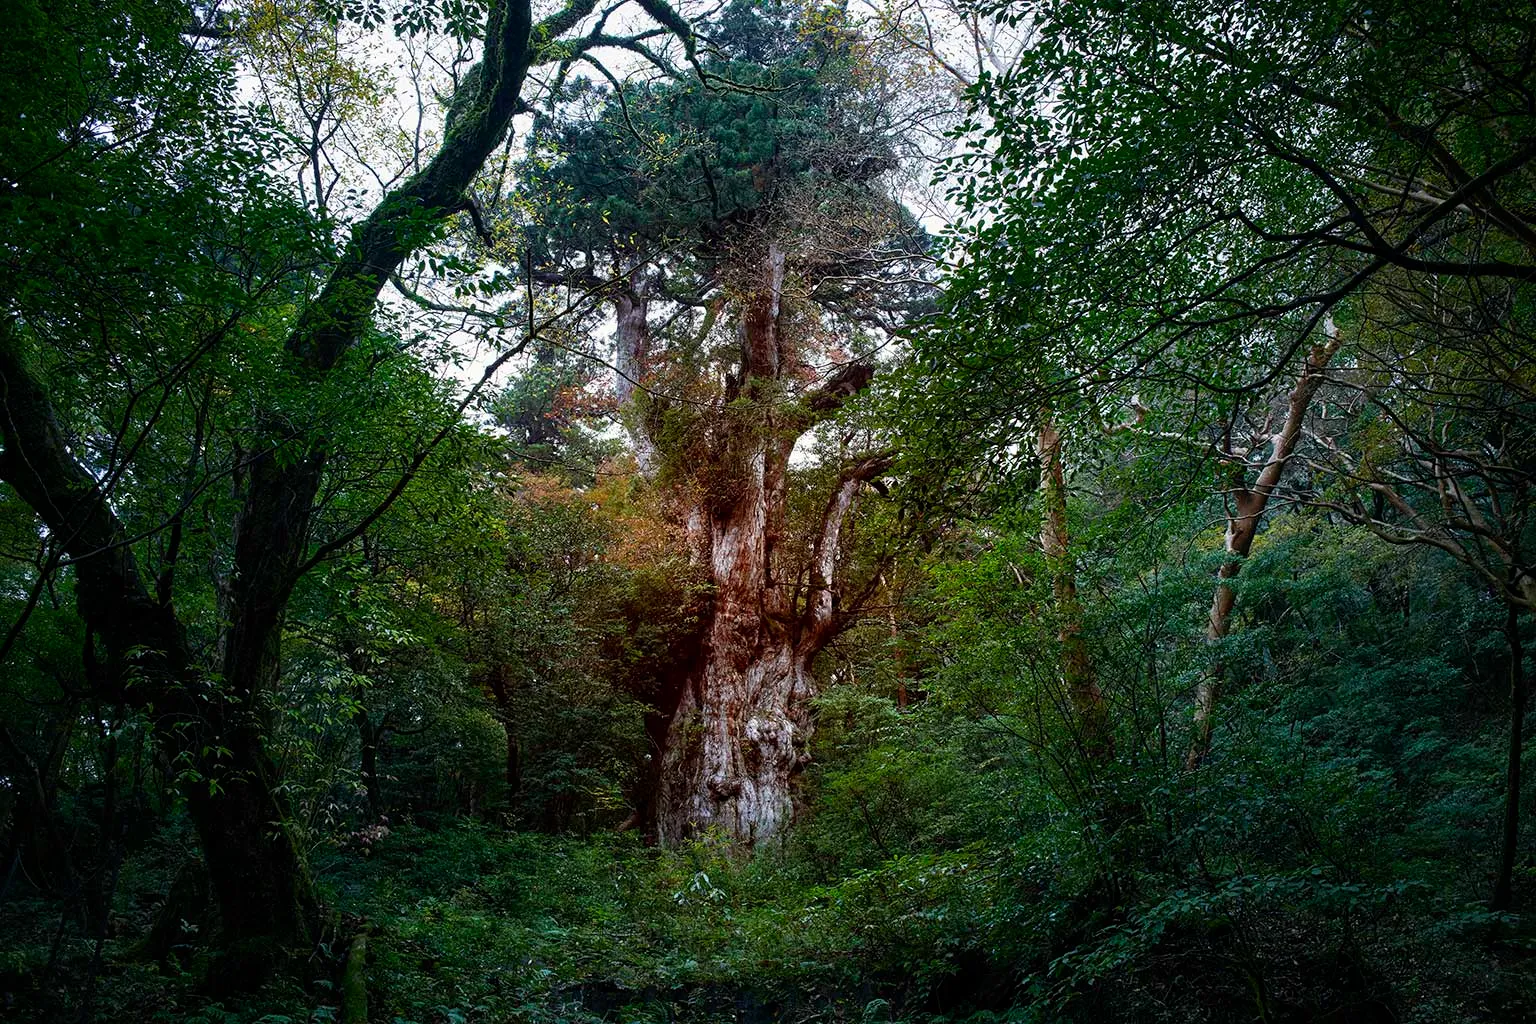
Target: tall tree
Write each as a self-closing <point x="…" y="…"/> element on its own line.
<point x="1356" y="170"/>
<point x="754" y="255"/>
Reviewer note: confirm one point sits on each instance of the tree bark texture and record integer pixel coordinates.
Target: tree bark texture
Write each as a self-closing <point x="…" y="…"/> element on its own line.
<point x="1248" y="506"/>
<point x="632" y="340"/>
<point x="735" y="742"/>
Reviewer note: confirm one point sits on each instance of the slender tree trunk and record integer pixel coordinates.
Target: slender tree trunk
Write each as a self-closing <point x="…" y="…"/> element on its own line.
<point x="34" y="843"/>
<point x="257" y="874"/>
<point x="632" y="342"/>
<point x="1249" y="505"/>
<point x="1241" y="530"/>
<point x="514" y="758"/>
<point x="368" y="762"/>
<point x="1082" y="686"/>
<point x="1503" y="890"/>
<point x="501" y="692"/>
<point x="369" y="736"/>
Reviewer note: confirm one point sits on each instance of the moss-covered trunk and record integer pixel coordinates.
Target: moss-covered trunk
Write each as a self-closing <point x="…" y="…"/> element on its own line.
<point x="210" y="726"/>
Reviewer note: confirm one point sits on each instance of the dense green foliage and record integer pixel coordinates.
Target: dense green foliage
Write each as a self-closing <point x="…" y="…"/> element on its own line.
<point x="1224" y="414"/>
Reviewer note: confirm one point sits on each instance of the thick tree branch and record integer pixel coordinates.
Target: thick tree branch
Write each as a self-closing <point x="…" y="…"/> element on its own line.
<point x="821" y="600"/>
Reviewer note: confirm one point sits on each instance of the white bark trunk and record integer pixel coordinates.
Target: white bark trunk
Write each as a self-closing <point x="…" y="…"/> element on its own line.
<point x="632" y="342"/>
<point x="737" y="737"/>
<point x="1250" y="504"/>
<point x="737" y="740"/>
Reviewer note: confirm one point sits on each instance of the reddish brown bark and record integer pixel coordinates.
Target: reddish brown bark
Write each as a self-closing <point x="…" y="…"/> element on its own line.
<point x="736" y="738"/>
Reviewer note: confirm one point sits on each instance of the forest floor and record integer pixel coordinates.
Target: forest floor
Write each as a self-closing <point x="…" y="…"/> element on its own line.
<point x="471" y="923"/>
<point x="474" y="924"/>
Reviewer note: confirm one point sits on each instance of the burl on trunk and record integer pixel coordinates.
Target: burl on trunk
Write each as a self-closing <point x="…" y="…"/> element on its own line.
<point x="735" y="740"/>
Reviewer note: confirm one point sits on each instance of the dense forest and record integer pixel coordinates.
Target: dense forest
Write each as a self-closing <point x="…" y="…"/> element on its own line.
<point x="767" y="511"/>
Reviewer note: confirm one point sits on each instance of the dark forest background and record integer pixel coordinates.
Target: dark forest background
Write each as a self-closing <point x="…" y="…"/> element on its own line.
<point x="767" y="511"/>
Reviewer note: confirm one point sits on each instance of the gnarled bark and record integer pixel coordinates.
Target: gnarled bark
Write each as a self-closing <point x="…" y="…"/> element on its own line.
<point x="736" y="739"/>
<point x="735" y="744"/>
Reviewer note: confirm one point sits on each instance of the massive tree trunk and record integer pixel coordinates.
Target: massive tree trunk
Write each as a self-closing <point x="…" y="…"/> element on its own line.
<point x="736" y="742"/>
<point x="1249" y="504"/>
<point x="736" y="739"/>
